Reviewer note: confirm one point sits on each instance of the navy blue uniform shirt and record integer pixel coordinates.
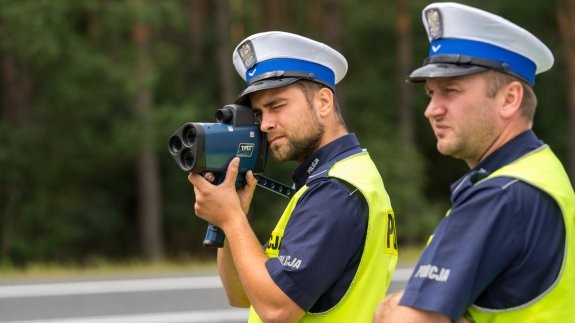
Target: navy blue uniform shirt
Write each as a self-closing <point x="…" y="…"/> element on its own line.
<point x="500" y="246"/>
<point x="324" y="237"/>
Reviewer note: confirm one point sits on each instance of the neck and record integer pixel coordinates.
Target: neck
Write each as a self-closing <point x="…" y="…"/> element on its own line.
<point x="504" y="137"/>
<point x="331" y="134"/>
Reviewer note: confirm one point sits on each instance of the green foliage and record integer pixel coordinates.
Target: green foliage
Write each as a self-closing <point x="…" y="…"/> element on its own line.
<point x="70" y="191"/>
<point x="68" y="184"/>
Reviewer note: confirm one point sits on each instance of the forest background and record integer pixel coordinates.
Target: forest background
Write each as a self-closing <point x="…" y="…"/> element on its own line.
<point x="91" y="90"/>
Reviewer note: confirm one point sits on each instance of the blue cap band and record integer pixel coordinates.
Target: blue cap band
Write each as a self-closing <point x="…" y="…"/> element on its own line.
<point x="518" y="64"/>
<point x="320" y="72"/>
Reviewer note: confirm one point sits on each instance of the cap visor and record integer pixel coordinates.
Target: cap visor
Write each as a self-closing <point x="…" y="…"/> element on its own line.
<point x="443" y="70"/>
<point x="244" y="97"/>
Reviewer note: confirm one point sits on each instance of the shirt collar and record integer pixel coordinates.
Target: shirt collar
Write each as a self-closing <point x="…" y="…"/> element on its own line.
<point x="512" y="150"/>
<point x="337" y="149"/>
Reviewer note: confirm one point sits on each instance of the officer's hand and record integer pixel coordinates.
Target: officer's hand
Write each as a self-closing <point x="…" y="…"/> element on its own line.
<point x="246" y="193"/>
<point x="386" y="306"/>
<point x="215" y="203"/>
<point x="210" y="177"/>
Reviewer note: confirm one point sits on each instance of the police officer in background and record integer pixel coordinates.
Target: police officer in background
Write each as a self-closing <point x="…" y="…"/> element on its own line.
<point x="504" y="252"/>
<point x="332" y="252"/>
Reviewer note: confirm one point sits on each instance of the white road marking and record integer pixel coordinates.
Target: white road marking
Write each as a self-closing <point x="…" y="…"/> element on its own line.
<point x="131" y="285"/>
<point x="109" y="286"/>
<point x="231" y="315"/>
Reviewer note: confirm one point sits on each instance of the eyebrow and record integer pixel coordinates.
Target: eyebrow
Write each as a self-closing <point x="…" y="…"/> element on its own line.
<point x="443" y="83"/>
<point x="272" y="102"/>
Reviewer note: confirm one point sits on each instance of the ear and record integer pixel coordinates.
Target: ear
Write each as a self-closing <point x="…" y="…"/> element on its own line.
<point x="324" y="99"/>
<point x="511" y="97"/>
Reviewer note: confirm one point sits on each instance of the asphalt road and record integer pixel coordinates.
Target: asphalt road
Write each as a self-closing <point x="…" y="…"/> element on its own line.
<point x="185" y="299"/>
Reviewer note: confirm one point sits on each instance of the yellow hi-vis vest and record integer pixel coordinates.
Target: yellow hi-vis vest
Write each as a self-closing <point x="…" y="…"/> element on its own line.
<point x="380" y="253"/>
<point x="543" y="170"/>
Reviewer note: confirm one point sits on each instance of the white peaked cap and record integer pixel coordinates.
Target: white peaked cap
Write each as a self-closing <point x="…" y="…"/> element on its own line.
<point x="466" y="40"/>
<point x="275" y="58"/>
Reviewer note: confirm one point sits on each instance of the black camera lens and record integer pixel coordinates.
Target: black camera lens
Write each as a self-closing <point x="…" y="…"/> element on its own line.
<point x="175" y="144"/>
<point x="189" y="135"/>
<point x="224" y="115"/>
<point x="188" y="159"/>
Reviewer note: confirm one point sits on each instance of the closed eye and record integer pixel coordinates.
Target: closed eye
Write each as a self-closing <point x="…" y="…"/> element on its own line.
<point x="257" y="116"/>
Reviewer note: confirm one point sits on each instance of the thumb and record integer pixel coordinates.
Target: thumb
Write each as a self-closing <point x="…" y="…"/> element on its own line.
<point x="232" y="172"/>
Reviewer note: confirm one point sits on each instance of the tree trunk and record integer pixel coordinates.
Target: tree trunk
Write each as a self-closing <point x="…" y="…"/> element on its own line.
<point x="566" y="19"/>
<point x="16" y="91"/>
<point x="149" y="201"/>
<point x="274" y="15"/>
<point x="225" y="67"/>
<point x="403" y="33"/>
<point x="196" y="12"/>
<point x="332" y="23"/>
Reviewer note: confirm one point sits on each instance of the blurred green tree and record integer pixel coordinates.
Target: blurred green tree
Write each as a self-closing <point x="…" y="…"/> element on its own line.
<point x="91" y="90"/>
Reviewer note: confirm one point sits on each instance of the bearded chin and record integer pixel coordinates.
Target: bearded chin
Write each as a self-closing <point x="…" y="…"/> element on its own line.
<point x="298" y="150"/>
<point x="286" y="153"/>
<point x="280" y="154"/>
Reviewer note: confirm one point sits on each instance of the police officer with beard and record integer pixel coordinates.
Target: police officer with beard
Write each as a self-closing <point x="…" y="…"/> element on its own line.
<point x="333" y="250"/>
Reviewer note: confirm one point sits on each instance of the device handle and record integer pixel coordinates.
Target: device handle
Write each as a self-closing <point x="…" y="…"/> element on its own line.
<point x="215" y="236"/>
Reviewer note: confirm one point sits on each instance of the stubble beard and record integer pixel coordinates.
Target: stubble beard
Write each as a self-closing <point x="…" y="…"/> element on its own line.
<point x="298" y="148"/>
<point x="469" y="147"/>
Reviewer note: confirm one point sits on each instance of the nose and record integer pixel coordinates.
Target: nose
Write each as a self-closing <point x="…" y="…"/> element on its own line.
<point x="266" y="122"/>
<point x="434" y="108"/>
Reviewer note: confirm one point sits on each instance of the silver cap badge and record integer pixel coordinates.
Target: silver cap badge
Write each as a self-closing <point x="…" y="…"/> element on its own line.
<point x="435" y="28"/>
<point x="247" y="54"/>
